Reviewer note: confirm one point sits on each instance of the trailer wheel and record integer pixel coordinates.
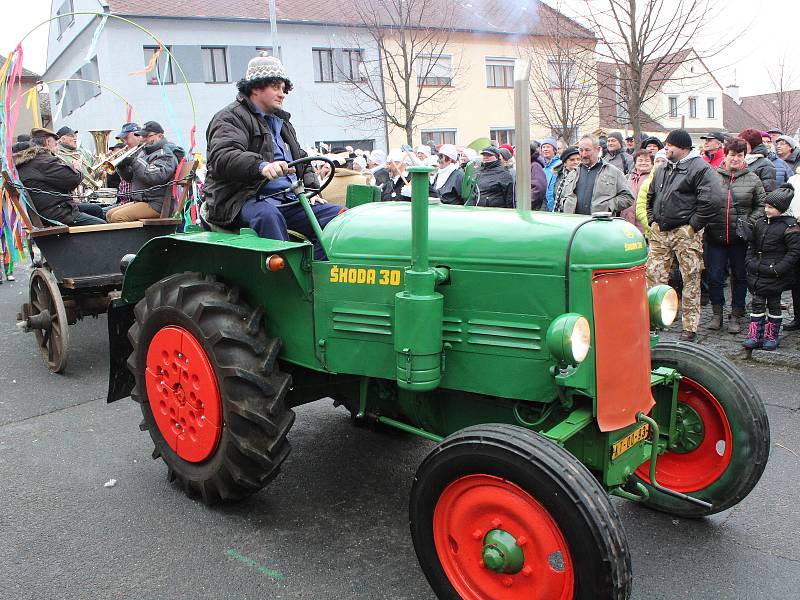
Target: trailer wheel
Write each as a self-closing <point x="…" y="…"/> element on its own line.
<point x="498" y="511"/>
<point x="723" y="431"/>
<point x="46" y="316"/>
<point x="211" y="394"/>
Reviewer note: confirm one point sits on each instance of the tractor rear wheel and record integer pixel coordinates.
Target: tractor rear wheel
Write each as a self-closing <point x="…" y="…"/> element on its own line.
<point x="498" y="511"/>
<point x="723" y="431"/>
<point x="211" y="394"/>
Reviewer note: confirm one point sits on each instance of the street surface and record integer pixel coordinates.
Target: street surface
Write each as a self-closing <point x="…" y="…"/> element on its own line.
<point x="333" y="525"/>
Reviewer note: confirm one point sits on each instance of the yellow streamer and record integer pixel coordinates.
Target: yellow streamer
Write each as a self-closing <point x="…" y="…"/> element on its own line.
<point x="32" y="103"/>
<point x="152" y="63"/>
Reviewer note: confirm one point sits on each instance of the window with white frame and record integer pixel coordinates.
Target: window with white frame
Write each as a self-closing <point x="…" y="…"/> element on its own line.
<point x="163" y="67"/>
<point x="562" y="73"/>
<point x="436" y="71"/>
<point x="711" y="106"/>
<point x="215" y="64"/>
<point x="673" y="107"/>
<point x="438" y="136"/>
<point x="500" y="72"/>
<point x="64" y="19"/>
<point x="323" y="64"/>
<point x="502" y="135"/>
<point x="692" y="108"/>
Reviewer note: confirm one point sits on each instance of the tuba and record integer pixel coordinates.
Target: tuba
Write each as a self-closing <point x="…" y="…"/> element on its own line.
<point x="96" y="173"/>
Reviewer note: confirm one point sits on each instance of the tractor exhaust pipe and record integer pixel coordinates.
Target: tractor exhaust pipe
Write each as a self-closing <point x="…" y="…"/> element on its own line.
<point x="522" y="127"/>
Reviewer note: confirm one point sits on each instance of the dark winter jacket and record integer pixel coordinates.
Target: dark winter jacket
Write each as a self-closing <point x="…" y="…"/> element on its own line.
<point x="38" y="168"/>
<point x="381" y="176"/>
<point x="238" y="141"/>
<point x="742" y="200"/>
<point x="683" y="193"/>
<point x="450" y="191"/>
<point x="782" y="170"/>
<point x="538" y="182"/>
<point x="772" y="255"/>
<point x="495" y="186"/>
<point x="153" y="165"/>
<point x="759" y="164"/>
<point x="622" y="160"/>
<point x="391" y="188"/>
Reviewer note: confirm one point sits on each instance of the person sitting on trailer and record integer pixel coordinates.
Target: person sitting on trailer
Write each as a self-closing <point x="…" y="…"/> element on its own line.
<point x="150" y="172"/>
<point x="48" y="181"/>
<point x="249" y="141"/>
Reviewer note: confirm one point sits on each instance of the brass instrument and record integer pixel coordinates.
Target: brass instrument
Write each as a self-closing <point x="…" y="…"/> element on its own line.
<point x="113" y="160"/>
<point x="96" y="174"/>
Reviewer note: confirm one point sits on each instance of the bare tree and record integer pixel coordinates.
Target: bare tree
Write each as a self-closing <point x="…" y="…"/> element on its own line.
<point x="563" y="75"/>
<point x="646" y="41"/>
<point x="782" y="106"/>
<point x="408" y="83"/>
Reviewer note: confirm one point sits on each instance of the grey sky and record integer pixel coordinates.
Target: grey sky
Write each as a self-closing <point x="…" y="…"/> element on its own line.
<point x="757" y="49"/>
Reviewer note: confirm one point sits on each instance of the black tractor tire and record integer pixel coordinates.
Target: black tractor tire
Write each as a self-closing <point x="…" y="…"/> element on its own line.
<point x="518" y="459"/>
<point x="252" y="390"/>
<point x="749" y="429"/>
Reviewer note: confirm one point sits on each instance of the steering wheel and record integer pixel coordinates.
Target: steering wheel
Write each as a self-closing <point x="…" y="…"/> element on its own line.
<point x="309" y="192"/>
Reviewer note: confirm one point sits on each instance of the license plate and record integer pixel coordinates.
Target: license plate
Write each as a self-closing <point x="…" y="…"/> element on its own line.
<point x="629" y="441"/>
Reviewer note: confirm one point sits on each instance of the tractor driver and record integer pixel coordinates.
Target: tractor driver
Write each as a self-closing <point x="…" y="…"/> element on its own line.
<point x="251" y="140"/>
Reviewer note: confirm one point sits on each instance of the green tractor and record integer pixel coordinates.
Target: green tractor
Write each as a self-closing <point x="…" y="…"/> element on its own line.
<point x="523" y="344"/>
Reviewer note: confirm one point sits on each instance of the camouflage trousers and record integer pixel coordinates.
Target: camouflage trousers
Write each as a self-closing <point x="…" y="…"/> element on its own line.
<point x="685" y="245"/>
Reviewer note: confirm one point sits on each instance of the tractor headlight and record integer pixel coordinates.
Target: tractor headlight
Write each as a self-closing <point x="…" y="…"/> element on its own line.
<point x="663" y="301"/>
<point x="569" y="338"/>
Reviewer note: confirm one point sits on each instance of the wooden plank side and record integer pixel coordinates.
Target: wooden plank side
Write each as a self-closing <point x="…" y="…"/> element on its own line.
<point x="105" y="227"/>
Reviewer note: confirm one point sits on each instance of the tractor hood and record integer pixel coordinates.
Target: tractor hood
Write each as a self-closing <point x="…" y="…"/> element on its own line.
<point x="480" y="237"/>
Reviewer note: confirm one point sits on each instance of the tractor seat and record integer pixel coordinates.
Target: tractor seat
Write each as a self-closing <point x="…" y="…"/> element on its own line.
<point x="218" y="229"/>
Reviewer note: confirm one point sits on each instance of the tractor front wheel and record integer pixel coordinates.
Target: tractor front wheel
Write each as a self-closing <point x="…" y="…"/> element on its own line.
<point x="211" y="394"/>
<point x="498" y="511"/>
<point x="723" y="434"/>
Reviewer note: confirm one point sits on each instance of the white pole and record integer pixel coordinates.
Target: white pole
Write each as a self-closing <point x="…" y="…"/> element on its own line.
<point x="273" y="29"/>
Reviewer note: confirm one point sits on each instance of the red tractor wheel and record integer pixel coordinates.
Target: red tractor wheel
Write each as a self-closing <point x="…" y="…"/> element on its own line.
<point x="723" y="434"/>
<point x="211" y="395"/>
<point x="498" y="511"/>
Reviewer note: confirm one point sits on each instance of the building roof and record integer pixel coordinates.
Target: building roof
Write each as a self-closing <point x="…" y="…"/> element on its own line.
<point x="27" y="74"/>
<point x="609" y="101"/>
<point x="735" y="117"/>
<point x="517" y="17"/>
<point x="763" y="107"/>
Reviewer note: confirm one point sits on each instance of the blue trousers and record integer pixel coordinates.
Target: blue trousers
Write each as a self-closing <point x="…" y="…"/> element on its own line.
<point x="717" y="258"/>
<point x="269" y="221"/>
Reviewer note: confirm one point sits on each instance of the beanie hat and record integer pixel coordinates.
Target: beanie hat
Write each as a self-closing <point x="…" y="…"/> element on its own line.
<point x="617" y="136"/>
<point x="423" y="149"/>
<point x="789" y="140"/>
<point x="378" y="157"/>
<point x="781" y="198"/>
<point x="264" y="66"/>
<point x="450" y="151"/>
<point x="660" y="155"/>
<point x="681" y="138"/>
<point x="569" y="151"/>
<point x="505" y="153"/>
<point x="510" y="148"/>
<point x="651" y="140"/>
<point x="550" y="141"/>
<point x="752" y="137"/>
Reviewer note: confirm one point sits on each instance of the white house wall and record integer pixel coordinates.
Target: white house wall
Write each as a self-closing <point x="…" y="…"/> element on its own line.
<point x="120" y="52"/>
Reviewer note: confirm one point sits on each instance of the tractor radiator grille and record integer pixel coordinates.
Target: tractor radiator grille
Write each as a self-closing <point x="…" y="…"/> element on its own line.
<point x="374" y="322"/>
<point x="452" y="330"/>
<point x="521" y="336"/>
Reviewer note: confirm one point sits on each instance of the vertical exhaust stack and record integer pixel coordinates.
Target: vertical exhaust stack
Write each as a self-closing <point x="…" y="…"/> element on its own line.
<point x="419" y="309"/>
<point x="522" y="127"/>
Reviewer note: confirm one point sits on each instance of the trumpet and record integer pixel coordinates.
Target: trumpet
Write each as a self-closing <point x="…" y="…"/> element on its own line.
<point x="108" y="164"/>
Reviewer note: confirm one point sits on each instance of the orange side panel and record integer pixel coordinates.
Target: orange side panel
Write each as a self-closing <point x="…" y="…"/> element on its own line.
<point x="622" y="346"/>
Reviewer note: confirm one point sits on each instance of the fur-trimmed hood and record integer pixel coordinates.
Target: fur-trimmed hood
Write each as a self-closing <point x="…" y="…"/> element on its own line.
<point x="20" y="158"/>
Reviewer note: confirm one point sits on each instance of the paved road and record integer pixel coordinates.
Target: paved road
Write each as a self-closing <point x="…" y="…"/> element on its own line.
<point x="333" y="525"/>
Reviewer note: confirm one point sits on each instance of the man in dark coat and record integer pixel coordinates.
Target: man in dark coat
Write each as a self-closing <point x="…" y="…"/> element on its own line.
<point x="495" y="184"/>
<point x="681" y="201"/>
<point x="757" y="160"/>
<point x="788" y="151"/>
<point x="38" y="167"/>
<point x="742" y="201"/>
<point x="616" y="155"/>
<point x="149" y="172"/>
<point x="250" y="143"/>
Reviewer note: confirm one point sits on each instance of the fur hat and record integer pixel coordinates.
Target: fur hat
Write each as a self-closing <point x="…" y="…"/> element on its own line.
<point x="681" y="138"/>
<point x="264" y="66"/>
<point x="781" y="198"/>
